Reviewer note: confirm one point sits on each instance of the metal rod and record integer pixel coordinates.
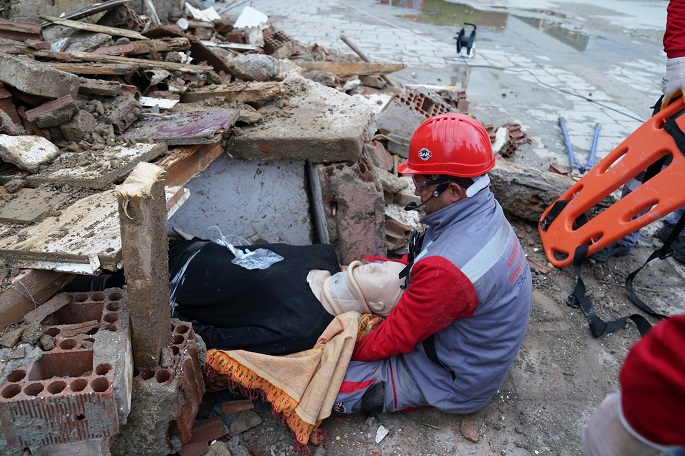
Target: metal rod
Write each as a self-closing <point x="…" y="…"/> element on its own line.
<point x="591" y="160"/>
<point x="365" y="58"/>
<point x="89" y="11"/>
<point x="569" y="149"/>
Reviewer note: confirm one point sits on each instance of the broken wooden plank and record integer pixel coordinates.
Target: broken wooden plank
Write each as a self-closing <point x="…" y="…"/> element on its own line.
<point x="183" y="163"/>
<point x="95" y="28"/>
<point x="27" y="291"/>
<point x="142" y="216"/>
<point x="347" y="68"/>
<point x="136" y="63"/>
<point x="160" y="45"/>
<point x="96" y="170"/>
<point x="147" y="47"/>
<point x="113" y="69"/>
<point x="198" y="50"/>
<point x="241" y="92"/>
<point x="179" y="128"/>
<point x="230" y="46"/>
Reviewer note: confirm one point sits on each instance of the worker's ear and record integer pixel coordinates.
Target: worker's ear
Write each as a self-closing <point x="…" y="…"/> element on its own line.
<point x="455" y="192"/>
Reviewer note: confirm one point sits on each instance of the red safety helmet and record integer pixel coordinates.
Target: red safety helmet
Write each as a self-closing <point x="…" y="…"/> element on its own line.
<point x="452" y="144"/>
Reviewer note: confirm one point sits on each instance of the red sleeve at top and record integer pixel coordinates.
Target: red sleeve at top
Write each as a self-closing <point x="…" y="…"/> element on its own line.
<point x="652" y="382"/>
<point x="438" y="294"/>
<point x="674" y="37"/>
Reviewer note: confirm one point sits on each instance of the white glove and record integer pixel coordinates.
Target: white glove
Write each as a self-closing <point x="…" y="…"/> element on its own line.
<point x="673" y="82"/>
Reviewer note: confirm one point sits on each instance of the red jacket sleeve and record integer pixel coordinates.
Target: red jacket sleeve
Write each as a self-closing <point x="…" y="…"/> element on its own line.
<point x="674" y="37"/>
<point x="652" y="382"/>
<point x="438" y="294"/>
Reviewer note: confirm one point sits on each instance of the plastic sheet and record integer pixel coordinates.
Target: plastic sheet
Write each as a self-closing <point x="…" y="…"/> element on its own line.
<point x="258" y="259"/>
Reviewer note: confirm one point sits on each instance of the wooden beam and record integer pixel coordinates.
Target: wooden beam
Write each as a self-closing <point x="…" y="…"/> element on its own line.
<point x="87" y="26"/>
<point x="142" y="218"/>
<point x="346" y="68"/>
<point x="136" y="63"/>
<point x="160" y="45"/>
<point x="27" y="291"/>
<point x="183" y="163"/>
<point x="114" y="69"/>
<point x="252" y="92"/>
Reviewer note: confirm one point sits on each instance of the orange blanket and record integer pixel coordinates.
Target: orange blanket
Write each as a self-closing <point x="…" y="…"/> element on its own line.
<point x="301" y="387"/>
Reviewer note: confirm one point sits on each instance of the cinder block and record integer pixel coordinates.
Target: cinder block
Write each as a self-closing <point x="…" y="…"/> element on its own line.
<point x="71" y="393"/>
<point x="165" y="399"/>
<point x="353" y="204"/>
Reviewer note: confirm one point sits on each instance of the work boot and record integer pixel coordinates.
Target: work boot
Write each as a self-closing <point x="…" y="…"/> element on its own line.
<point x="678" y="245"/>
<point x="610" y="251"/>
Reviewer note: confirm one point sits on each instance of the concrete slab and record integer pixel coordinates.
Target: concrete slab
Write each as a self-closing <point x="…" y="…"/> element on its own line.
<point x="311" y="122"/>
<point x="96" y="169"/>
<point x="37" y="79"/>
<point x="253" y="200"/>
<point x="29" y="205"/>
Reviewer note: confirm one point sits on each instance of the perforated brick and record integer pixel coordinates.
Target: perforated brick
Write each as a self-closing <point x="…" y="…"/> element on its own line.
<point x="166" y="399"/>
<point x="275" y="41"/>
<point x="72" y="392"/>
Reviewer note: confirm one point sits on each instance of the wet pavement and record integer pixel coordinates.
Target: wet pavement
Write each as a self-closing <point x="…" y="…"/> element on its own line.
<point x="533" y="62"/>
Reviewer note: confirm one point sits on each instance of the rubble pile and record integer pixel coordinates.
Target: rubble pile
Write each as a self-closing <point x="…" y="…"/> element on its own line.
<point x="93" y="87"/>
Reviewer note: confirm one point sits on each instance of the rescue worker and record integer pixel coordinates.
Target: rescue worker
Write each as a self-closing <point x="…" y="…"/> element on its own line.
<point x="672" y="85"/>
<point x="450" y="340"/>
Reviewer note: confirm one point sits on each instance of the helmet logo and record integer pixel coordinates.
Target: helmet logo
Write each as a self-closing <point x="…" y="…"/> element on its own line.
<point x="425" y="154"/>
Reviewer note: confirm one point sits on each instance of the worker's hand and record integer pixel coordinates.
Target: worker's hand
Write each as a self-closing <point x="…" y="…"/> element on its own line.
<point x="673" y="82"/>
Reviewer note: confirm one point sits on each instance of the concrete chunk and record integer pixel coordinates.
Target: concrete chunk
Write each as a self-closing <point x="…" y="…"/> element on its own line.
<point x="81" y="124"/>
<point x="311" y="122"/>
<point x="99" y="87"/>
<point x="27" y="152"/>
<point x="36" y="78"/>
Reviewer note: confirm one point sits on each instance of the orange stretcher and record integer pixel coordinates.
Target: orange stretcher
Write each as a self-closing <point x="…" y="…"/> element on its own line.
<point x="566" y="224"/>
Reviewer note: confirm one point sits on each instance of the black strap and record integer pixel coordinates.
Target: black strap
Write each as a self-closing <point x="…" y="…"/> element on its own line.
<point x="577" y="298"/>
<point x="557" y="207"/>
<point x="432" y="354"/>
<point x="415" y="244"/>
<point x="664" y="252"/>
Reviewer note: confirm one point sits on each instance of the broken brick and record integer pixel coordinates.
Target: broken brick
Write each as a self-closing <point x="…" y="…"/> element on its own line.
<point x="208" y="430"/>
<point x="53" y="305"/>
<point x="53" y="113"/>
<point x="20" y="31"/>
